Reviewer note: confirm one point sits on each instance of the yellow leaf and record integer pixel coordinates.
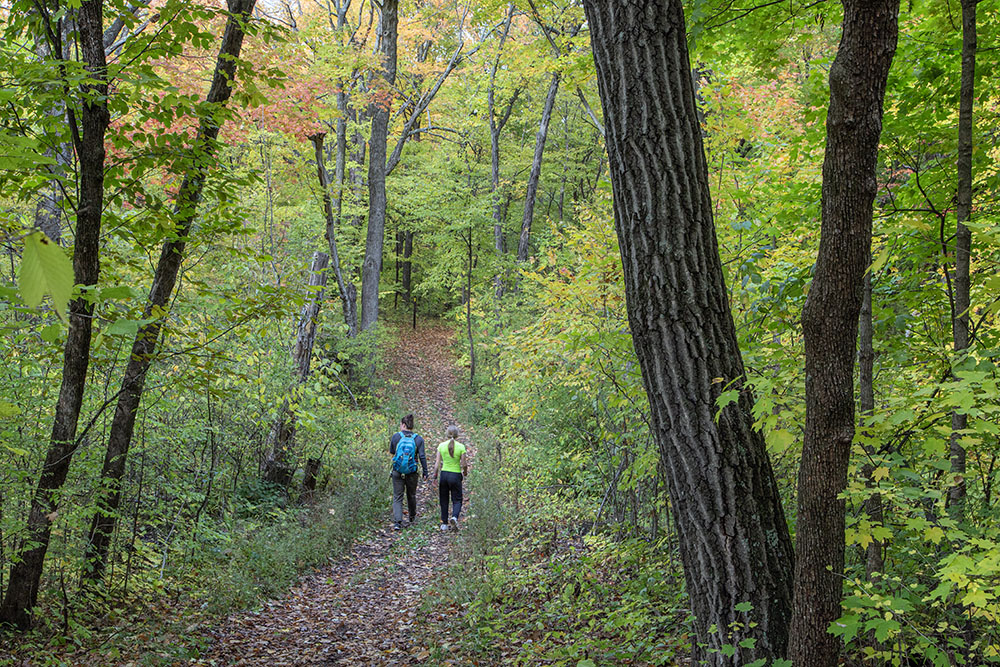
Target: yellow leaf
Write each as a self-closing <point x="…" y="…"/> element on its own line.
<point x="880" y="473"/>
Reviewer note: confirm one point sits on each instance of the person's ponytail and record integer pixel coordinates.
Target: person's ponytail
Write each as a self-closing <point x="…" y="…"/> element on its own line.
<point x="452" y="434"/>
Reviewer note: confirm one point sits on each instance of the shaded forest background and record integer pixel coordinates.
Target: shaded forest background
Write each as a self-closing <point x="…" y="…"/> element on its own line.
<point x="468" y="182"/>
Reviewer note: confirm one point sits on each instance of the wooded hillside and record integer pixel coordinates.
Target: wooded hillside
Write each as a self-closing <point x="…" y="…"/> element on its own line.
<point x="710" y="289"/>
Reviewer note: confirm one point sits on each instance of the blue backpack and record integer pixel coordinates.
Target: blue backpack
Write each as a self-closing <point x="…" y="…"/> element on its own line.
<point x="405" y="460"/>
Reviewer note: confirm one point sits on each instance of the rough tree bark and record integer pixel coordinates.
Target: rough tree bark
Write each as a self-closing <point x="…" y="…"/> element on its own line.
<point x="88" y="139"/>
<point x="963" y="243"/>
<point x="830" y="320"/>
<point x="734" y="541"/>
<point x="524" y="241"/>
<point x="372" y="268"/>
<point x="278" y="469"/>
<point x="347" y="291"/>
<point x="164" y="278"/>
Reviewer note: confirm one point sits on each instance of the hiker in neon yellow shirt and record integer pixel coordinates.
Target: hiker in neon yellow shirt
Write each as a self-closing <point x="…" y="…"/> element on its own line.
<point x="453" y="465"/>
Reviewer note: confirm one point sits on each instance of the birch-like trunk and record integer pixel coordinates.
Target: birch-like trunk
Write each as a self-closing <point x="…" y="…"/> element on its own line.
<point x="524" y="242"/>
<point x="278" y="466"/>
<point x="347" y="292"/>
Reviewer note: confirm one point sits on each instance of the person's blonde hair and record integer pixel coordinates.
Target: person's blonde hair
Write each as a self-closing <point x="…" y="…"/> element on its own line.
<point x="452" y="433"/>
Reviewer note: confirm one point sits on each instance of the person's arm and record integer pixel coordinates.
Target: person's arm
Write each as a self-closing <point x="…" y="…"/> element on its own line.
<point x="464" y="462"/>
<point x="392" y="443"/>
<point x="437" y="465"/>
<point x="420" y="452"/>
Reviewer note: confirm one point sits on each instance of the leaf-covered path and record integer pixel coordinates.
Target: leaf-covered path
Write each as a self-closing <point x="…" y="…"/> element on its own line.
<point x="363" y="610"/>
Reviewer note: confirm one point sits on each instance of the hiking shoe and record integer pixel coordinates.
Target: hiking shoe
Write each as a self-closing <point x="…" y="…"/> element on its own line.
<point x="454" y="522"/>
<point x="395" y="526"/>
<point x="444" y="526"/>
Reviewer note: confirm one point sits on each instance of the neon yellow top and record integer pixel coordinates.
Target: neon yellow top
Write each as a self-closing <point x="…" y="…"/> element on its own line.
<point x="451" y="463"/>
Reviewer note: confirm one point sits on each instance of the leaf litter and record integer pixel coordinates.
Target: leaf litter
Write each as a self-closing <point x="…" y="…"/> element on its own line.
<point x="365" y="609"/>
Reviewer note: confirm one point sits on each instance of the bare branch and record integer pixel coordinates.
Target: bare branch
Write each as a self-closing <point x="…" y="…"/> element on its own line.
<point x="590" y="112"/>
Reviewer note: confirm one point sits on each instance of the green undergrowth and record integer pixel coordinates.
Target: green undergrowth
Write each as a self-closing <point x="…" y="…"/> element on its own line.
<point x="533" y="581"/>
<point x="272" y="556"/>
<point x="254" y="553"/>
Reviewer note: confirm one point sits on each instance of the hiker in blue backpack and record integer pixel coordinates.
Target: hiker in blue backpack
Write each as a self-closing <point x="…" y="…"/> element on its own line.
<point x="405" y="447"/>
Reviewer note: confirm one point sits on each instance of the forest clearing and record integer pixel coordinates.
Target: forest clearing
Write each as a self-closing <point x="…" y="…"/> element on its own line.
<point x="499" y="332"/>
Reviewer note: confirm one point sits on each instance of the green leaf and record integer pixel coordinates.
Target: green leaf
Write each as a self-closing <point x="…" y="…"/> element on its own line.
<point x="50" y="334"/>
<point x="8" y="409"/>
<point x="118" y="292"/>
<point x="127" y="328"/>
<point x="45" y="269"/>
<point x="16" y="451"/>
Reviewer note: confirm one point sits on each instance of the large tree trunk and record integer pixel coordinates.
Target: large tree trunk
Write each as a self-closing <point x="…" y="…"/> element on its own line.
<point x="346" y="296"/>
<point x="26" y="573"/>
<point x="734" y="541"/>
<point x="278" y="469"/>
<point x="524" y="241"/>
<point x="963" y="243"/>
<point x="830" y="320"/>
<point x="167" y="268"/>
<point x="372" y="268"/>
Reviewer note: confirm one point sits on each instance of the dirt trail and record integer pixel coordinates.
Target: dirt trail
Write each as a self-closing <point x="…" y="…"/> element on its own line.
<point x="361" y="610"/>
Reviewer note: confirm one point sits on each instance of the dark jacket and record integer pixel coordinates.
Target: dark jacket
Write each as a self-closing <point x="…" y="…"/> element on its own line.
<point x="417" y="441"/>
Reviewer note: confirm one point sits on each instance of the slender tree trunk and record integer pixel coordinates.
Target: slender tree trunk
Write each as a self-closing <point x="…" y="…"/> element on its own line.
<point x="565" y="170"/>
<point x="372" y="268"/>
<point x="309" y="480"/>
<point x="468" y="317"/>
<point x="355" y="172"/>
<point x="874" y="562"/>
<point x="49" y="207"/>
<point x="963" y="243"/>
<point x="340" y="174"/>
<point x="536" y="170"/>
<point x="830" y="320"/>
<point x="496" y="127"/>
<point x="408" y="265"/>
<point x="396" y="255"/>
<point x="277" y="467"/>
<point x="346" y="295"/>
<point x="167" y="268"/>
<point x="26" y="573"/>
<point x="734" y="541"/>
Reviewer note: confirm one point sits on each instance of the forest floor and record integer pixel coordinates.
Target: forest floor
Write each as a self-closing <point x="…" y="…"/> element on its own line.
<point x="366" y="609"/>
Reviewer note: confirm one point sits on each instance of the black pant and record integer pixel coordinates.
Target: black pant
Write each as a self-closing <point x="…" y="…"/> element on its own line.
<point x="450" y="485"/>
<point x="404" y="484"/>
